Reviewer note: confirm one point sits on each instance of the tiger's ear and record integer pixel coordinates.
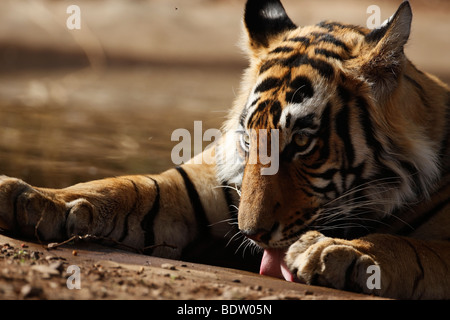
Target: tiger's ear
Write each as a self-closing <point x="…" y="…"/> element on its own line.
<point x="264" y="20"/>
<point x="385" y="59"/>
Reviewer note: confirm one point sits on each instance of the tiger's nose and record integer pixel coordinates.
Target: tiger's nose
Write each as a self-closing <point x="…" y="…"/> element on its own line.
<point x="260" y="235"/>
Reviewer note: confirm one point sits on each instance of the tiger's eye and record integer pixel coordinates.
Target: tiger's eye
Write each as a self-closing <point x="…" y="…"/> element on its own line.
<point x="301" y="140"/>
<point x="245" y="140"/>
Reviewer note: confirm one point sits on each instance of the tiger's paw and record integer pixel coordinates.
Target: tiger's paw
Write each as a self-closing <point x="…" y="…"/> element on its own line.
<point x="319" y="260"/>
<point x="28" y="211"/>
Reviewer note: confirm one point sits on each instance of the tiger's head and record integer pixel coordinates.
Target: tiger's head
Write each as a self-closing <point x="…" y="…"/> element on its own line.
<point x="351" y="146"/>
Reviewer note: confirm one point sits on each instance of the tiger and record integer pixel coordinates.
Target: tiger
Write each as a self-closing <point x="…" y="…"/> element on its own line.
<point x="362" y="181"/>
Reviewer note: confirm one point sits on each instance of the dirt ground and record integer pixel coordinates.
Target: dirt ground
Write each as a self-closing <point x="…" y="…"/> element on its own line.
<point x="33" y="271"/>
<point x="77" y="105"/>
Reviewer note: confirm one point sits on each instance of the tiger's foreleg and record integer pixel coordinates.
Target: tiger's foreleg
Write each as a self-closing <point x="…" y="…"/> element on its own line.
<point x="175" y="208"/>
<point x="382" y="264"/>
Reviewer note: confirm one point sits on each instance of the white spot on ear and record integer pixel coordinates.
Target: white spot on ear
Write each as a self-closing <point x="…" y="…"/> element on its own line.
<point x="273" y="12"/>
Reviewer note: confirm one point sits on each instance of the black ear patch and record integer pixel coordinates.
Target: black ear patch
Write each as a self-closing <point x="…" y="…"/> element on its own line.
<point x="265" y="19"/>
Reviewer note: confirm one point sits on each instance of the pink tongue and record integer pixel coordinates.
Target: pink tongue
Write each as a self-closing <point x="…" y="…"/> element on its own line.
<point x="272" y="264"/>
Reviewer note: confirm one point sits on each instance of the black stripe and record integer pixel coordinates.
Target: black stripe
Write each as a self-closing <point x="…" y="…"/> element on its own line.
<point x="306" y="41"/>
<point x="325" y="131"/>
<point x="63" y="228"/>
<point x="268" y="84"/>
<point x="307" y="192"/>
<point x="422" y="95"/>
<point x="349" y="284"/>
<point x="245" y="112"/>
<point x="254" y="102"/>
<point x="288" y="120"/>
<point x="261" y="106"/>
<point x="446" y="141"/>
<point x="331" y="26"/>
<point x="16" y="226"/>
<point x="113" y="225"/>
<point x="288" y="152"/>
<point x="199" y="211"/>
<point x="322" y="67"/>
<point x="427" y="215"/>
<point x="304" y="122"/>
<point x="414" y="173"/>
<point x="423" y="219"/>
<point x="282" y="49"/>
<point x="420" y="91"/>
<point x="243" y="116"/>
<point x="267" y="65"/>
<point x="374" y="144"/>
<point x="328" y="54"/>
<point x="275" y="111"/>
<point x="419" y="277"/>
<point x="325" y="136"/>
<point x="436" y="254"/>
<point x="294" y="97"/>
<point x="302" y="175"/>
<point x="343" y="131"/>
<point x="302" y="88"/>
<point x="414" y="83"/>
<point x="366" y="123"/>
<point x="328" y="38"/>
<point x="344" y="94"/>
<point x="133" y="209"/>
<point x="304" y="215"/>
<point x="149" y="218"/>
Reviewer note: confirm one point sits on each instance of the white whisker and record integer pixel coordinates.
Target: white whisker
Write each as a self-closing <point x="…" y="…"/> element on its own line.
<point x="235" y="237"/>
<point x="235" y="188"/>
